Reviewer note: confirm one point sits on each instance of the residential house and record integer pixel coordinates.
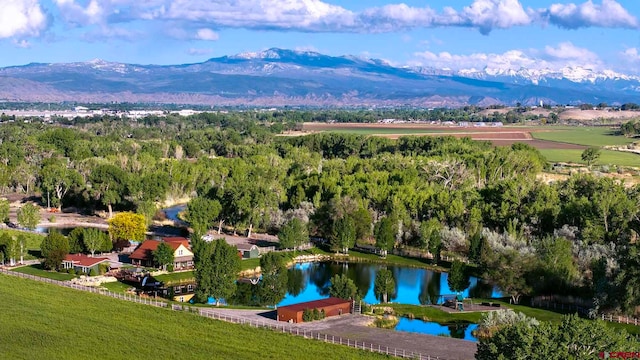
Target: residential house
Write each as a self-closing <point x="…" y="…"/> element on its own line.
<point x="82" y="263"/>
<point x="182" y="255"/>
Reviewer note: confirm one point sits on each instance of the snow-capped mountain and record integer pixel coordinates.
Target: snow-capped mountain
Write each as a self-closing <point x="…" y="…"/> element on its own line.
<point x="288" y="77"/>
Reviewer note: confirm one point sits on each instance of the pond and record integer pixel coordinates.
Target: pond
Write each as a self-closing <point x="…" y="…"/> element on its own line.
<point x="311" y="281"/>
<point x="172" y="212"/>
<point x="458" y="331"/>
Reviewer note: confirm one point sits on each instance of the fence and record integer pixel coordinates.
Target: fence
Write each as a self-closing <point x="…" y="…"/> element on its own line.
<point x="620" y="319"/>
<point x="284" y="327"/>
<point x="585" y="312"/>
<point x="308" y="334"/>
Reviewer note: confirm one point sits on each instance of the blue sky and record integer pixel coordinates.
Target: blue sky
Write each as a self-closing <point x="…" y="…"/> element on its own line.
<point x="460" y="34"/>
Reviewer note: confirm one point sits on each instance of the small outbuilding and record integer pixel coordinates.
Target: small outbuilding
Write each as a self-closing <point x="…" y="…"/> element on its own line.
<point x="331" y="307"/>
<point x="248" y="251"/>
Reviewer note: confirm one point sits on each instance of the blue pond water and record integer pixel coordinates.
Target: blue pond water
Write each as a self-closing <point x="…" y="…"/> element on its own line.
<point x="459" y="331"/>
<point x="311" y="281"/>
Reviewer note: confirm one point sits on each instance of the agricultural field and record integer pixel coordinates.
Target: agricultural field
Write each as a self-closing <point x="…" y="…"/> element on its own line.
<point x="557" y="143"/>
<point x="50" y="322"/>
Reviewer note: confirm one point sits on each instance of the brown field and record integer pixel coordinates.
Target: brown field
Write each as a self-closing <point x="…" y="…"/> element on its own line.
<point x="499" y="136"/>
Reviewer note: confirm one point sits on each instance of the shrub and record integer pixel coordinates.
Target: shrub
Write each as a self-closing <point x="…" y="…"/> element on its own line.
<point x="307" y="315"/>
<point x="72" y="271"/>
<point x="52" y="219"/>
<point x="316" y="314"/>
<point x="170" y="268"/>
<point x="103" y="268"/>
<point x="93" y="272"/>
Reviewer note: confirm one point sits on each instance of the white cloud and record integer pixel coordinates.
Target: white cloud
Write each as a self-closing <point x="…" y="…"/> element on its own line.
<point x="631" y="55"/>
<point x="568" y="51"/>
<point x="199" y="51"/>
<point x="552" y="58"/>
<point x="320" y="16"/>
<point x="206" y="34"/>
<point x="609" y="14"/>
<point x="21" y="18"/>
<point x="93" y="13"/>
<point x="22" y="44"/>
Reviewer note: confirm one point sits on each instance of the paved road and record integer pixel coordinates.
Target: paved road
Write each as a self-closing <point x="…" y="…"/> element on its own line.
<point x="356" y="327"/>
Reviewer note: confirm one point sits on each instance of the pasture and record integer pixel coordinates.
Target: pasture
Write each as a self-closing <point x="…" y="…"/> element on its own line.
<point x="557" y="143"/>
<point x="50" y="322"/>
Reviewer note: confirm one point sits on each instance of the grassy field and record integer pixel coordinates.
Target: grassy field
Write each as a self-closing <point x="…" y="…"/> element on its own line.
<point x="429" y="313"/>
<point x="589" y="136"/>
<point x="385" y="131"/>
<point x="176" y="277"/>
<point x="116" y="286"/>
<point x="49" y="322"/>
<point x="607" y="157"/>
<point x="37" y="270"/>
<point x="33" y="241"/>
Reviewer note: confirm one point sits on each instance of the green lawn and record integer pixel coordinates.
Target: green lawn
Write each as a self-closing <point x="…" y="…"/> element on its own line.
<point x="607" y="157"/>
<point x="33" y="241"/>
<point x="116" y="286"/>
<point x="49" y="322"/>
<point x="589" y="136"/>
<point x="38" y="271"/>
<point x="429" y="313"/>
<point x="176" y="277"/>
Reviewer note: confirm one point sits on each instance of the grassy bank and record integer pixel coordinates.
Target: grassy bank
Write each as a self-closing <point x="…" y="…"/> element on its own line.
<point x="37" y="270"/>
<point x="60" y="323"/>
<point x="607" y="157"/>
<point x="429" y="313"/>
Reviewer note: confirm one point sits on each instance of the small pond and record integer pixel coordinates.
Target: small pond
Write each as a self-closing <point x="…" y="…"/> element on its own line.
<point x="458" y="331"/>
<point x="311" y="281"/>
<point x="172" y="212"/>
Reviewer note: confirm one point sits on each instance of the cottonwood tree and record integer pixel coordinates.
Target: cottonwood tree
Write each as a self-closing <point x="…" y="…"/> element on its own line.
<point x="29" y="216"/>
<point x="57" y="178"/>
<point x="385" y="233"/>
<point x="108" y="184"/>
<point x="201" y="213"/>
<point x="590" y="155"/>
<point x="217" y="267"/>
<point x="95" y="240"/>
<point x="54" y="249"/>
<point x="343" y="235"/>
<point x="293" y="234"/>
<point x="163" y="255"/>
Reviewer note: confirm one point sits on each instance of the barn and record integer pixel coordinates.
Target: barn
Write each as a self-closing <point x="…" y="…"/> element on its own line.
<point x="331" y="306"/>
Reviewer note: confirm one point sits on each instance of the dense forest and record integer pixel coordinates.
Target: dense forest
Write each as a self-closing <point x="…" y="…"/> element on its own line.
<point x="464" y="198"/>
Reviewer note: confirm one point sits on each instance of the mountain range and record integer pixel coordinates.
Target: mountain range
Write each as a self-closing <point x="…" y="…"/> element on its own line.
<point x="278" y="77"/>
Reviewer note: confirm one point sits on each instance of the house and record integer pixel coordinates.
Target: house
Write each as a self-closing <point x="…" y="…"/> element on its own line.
<point x="83" y="264"/>
<point x="182" y="255"/>
<point x="248" y="251"/>
<point x="331" y="307"/>
<point x="180" y="292"/>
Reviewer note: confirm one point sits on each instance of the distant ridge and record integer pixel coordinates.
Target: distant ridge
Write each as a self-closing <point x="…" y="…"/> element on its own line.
<point x="287" y="77"/>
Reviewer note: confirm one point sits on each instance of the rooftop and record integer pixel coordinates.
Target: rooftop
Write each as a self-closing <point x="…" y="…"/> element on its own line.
<point x="316" y="304"/>
<point x="84" y="260"/>
<point x="146" y="249"/>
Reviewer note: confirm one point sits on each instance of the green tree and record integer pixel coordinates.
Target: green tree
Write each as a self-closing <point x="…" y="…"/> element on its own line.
<point x="29" y="216"/>
<point x="108" y="183"/>
<point x="342" y="287"/>
<point x="273" y="285"/>
<point x="293" y="234"/>
<point x="590" y="155"/>
<point x="573" y="338"/>
<point x="223" y="272"/>
<point x="76" y="242"/>
<point x="385" y="233"/>
<point x="56" y="178"/>
<point x="148" y="209"/>
<point x="458" y="279"/>
<point x="509" y="271"/>
<point x="343" y="235"/>
<point x="163" y="255"/>
<point x="94" y="240"/>
<point x="54" y="249"/>
<point x="4" y="210"/>
<point x="127" y="226"/>
<point x="201" y="213"/>
<point x="384" y="285"/>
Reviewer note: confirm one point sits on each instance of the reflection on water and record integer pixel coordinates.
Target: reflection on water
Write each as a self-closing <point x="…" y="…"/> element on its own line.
<point x="311" y="281"/>
<point x="458" y="331"/>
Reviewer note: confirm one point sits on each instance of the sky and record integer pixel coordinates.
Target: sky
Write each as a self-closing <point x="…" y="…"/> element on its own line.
<point x="456" y="34"/>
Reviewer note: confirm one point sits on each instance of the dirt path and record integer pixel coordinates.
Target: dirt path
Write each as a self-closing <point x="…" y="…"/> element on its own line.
<point x="356" y="327"/>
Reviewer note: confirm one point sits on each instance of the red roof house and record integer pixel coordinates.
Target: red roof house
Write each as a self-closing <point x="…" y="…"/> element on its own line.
<point x="182" y="255"/>
<point x="83" y="263"/>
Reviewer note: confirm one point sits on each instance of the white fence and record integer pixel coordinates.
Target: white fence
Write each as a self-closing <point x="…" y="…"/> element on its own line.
<point x="206" y="312"/>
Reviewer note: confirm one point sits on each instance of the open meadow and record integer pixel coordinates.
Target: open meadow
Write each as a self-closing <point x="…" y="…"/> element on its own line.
<point x="557" y="143"/>
<point x="50" y="322"/>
